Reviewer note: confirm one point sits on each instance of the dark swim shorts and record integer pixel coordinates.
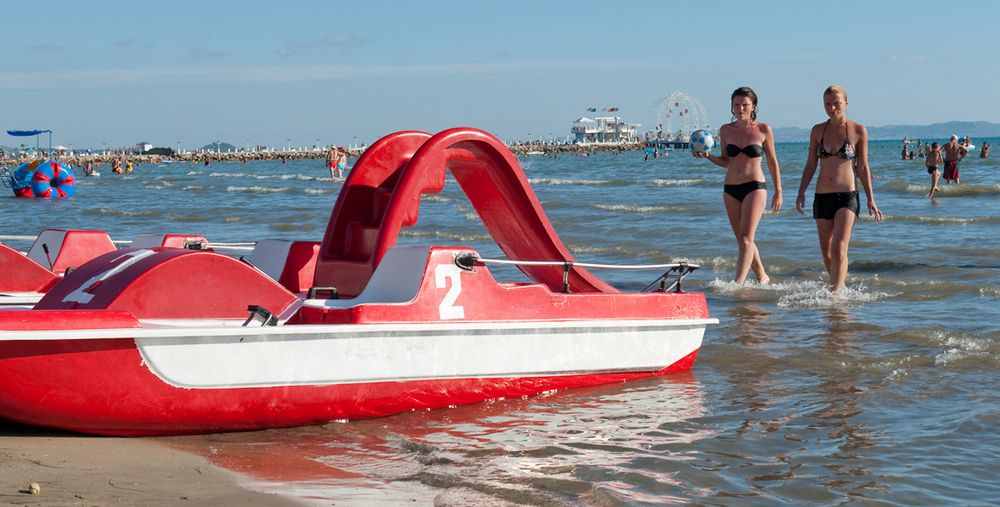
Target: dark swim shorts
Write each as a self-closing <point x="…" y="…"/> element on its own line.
<point x="950" y="169"/>
<point x="931" y="169"/>
<point x="825" y="206"/>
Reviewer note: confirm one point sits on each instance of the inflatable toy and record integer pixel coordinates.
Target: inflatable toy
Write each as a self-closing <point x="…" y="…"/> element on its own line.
<point x="53" y="180"/>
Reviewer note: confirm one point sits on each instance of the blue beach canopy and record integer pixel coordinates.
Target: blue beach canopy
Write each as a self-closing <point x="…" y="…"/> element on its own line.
<point x="27" y="133"/>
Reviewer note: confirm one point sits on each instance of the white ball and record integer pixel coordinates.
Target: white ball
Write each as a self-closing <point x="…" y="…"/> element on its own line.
<point x="702" y="141"/>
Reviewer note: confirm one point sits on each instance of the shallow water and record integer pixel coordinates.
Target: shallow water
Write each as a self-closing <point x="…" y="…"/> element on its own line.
<point x="882" y="394"/>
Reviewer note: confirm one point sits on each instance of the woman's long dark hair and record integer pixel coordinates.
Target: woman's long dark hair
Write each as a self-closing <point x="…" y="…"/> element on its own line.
<point x="745" y="91"/>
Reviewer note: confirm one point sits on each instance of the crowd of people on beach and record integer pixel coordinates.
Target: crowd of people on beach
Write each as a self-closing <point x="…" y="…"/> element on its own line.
<point x="946" y="156"/>
<point x="838" y="147"/>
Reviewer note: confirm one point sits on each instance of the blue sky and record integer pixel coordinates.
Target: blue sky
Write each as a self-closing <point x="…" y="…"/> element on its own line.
<point x="252" y="72"/>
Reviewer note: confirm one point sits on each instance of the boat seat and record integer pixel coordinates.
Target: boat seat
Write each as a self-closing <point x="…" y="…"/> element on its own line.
<point x="290" y="263"/>
<point x="68" y="248"/>
<point x="396" y="280"/>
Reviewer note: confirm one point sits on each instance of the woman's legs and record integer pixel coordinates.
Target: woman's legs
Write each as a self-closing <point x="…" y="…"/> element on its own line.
<point x="743" y="218"/>
<point x="834" y="238"/>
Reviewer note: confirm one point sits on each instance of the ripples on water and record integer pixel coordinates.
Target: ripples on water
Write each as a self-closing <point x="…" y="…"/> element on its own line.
<point x="882" y="394"/>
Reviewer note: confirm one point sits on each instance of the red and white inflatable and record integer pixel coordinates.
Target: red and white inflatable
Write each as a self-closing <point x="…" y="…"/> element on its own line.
<point x="156" y="340"/>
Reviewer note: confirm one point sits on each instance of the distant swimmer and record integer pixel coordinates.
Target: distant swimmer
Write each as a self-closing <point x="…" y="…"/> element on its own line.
<point x="341" y="161"/>
<point x="953" y="154"/>
<point x="840" y="148"/>
<point x="332" y="157"/>
<point x="984" y="152"/>
<point x="933" y="161"/>
<point x="745" y="143"/>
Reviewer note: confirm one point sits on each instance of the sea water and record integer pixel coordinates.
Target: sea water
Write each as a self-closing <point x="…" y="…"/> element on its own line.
<point x="885" y="393"/>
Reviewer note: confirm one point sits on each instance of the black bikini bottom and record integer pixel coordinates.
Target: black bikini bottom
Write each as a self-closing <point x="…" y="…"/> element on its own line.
<point x="825" y="206"/>
<point x="739" y="192"/>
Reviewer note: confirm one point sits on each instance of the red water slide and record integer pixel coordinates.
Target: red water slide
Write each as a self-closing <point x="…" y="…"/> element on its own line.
<point x="382" y="195"/>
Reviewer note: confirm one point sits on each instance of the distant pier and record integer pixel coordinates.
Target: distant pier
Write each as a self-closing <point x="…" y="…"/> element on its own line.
<point x="660" y="144"/>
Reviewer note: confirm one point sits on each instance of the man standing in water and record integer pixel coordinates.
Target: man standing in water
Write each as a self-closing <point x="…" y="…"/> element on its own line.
<point x="953" y="154"/>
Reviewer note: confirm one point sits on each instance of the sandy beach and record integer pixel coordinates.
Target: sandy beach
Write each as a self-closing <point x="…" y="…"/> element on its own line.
<point x="74" y="470"/>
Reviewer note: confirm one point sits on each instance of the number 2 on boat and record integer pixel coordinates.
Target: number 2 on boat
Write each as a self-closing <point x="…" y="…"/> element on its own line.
<point x="447" y="310"/>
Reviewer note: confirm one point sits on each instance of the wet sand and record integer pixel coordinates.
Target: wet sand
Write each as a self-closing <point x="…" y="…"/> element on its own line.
<point x="74" y="470"/>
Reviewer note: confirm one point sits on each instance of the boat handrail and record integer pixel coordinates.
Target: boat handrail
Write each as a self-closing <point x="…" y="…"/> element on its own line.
<point x="11" y="237"/>
<point x="248" y="246"/>
<point x="676" y="271"/>
<point x="586" y="264"/>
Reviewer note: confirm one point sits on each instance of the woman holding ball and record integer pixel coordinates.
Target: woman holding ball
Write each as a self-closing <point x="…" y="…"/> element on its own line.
<point x="744" y="142"/>
<point x="840" y="147"/>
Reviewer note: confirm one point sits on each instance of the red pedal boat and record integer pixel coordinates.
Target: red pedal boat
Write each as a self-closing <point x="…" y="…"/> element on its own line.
<point x="153" y="341"/>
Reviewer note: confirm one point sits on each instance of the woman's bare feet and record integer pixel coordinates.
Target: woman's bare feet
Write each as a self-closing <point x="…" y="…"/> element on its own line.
<point x="762" y="278"/>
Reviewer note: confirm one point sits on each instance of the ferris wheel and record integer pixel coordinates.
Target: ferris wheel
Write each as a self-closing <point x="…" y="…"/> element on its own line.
<point x="677" y="115"/>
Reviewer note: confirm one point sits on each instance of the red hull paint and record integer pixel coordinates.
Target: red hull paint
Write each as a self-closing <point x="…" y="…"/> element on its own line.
<point x="102" y="387"/>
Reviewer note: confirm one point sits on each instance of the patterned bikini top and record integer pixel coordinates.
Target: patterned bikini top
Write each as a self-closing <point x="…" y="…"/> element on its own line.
<point x="845" y="152"/>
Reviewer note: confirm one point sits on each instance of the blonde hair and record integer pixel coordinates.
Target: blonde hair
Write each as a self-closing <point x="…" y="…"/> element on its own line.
<point x="830" y="90"/>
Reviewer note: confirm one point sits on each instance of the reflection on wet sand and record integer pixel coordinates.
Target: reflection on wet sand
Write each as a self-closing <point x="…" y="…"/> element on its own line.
<point x="841" y="332"/>
<point x="751" y="328"/>
<point x="751" y="323"/>
<point x="530" y="450"/>
<point x="840" y="414"/>
<point x="783" y="426"/>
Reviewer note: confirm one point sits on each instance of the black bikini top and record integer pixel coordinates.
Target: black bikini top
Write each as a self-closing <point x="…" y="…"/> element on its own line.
<point x="846" y="151"/>
<point x="750" y="150"/>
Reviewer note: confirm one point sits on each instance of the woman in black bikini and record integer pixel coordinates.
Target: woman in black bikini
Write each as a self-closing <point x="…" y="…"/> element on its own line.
<point x="836" y="206"/>
<point x="745" y="141"/>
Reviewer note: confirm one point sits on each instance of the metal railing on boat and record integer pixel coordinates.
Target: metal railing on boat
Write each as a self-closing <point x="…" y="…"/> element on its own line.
<point x="675" y="271"/>
<point x="242" y="246"/>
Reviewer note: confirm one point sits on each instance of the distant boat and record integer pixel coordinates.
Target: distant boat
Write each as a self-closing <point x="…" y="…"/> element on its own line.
<point x="535" y="152"/>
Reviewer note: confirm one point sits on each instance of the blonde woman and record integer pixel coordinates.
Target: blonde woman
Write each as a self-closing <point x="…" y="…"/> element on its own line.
<point x="839" y="147"/>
